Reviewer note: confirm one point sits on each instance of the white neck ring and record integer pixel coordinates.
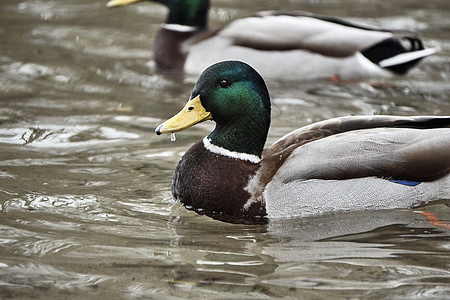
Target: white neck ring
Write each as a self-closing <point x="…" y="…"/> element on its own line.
<point x="179" y="27"/>
<point x="233" y="154"/>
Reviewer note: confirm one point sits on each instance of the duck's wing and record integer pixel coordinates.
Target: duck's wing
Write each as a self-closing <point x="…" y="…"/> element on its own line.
<point x="327" y="36"/>
<point x="276" y="31"/>
<point x="409" y="148"/>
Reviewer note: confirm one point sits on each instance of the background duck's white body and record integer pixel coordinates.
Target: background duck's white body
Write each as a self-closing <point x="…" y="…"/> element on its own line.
<point x="307" y="182"/>
<point x="299" y="64"/>
<point x="305" y="47"/>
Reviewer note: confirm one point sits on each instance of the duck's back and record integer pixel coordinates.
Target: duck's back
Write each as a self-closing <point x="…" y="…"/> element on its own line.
<point x="301" y="46"/>
<point x="305" y="47"/>
<point x="403" y="163"/>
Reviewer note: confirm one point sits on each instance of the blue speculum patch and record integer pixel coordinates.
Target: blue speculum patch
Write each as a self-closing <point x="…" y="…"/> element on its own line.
<point x="405" y="182"/>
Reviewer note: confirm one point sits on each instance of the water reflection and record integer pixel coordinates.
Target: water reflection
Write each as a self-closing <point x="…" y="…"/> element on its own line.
<point x="85" y="184"/>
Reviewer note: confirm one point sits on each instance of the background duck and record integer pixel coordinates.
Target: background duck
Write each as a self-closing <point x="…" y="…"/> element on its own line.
<point x="282" y="45"/>
<point x="348" y="163"/>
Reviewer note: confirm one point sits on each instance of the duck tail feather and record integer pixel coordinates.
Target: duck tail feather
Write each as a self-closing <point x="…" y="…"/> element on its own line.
<point x="398" y="55"/>
<point x="404" y="58"/>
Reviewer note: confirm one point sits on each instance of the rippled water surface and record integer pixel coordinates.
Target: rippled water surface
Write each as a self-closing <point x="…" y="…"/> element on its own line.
<point x="86" y="208"/>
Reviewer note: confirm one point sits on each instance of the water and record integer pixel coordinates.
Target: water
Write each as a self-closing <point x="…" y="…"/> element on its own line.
<point x="85" y="183"/>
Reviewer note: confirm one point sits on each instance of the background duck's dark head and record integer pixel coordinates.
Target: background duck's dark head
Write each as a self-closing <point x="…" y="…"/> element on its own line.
<point x="238" y="100"/>
<point x="183" y="12"/>
<point x="187" y="12"/>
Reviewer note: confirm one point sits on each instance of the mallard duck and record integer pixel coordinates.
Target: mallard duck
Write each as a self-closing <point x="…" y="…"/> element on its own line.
<point x="347" y="163"/>
<point x="282" y="45"/>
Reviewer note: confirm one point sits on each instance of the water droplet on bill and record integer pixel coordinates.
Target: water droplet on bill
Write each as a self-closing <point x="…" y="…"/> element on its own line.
<point x="172" y="137"/>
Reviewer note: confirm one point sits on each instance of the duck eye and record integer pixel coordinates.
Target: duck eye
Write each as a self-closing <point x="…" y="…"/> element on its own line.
<point x="224" y="83"/>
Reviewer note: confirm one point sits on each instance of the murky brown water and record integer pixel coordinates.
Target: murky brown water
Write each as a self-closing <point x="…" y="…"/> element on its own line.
<point x="85" y="183"/>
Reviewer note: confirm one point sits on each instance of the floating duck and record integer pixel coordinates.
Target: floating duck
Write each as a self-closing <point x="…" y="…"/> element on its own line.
<point x="341" y="164"/>
<point x="282" y="45"/>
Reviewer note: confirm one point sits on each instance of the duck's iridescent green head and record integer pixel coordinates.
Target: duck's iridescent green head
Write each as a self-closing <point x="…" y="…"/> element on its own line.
<point x="181" y="12"/>
<point x="187" y="12"/>
<point x="235" y="96"/>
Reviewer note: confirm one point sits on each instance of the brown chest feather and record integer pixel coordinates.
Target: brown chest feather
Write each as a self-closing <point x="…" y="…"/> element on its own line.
<point x="214" y="184"/>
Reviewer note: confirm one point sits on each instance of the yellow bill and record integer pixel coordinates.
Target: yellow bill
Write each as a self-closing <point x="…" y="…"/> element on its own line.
<point x="192" y="113"/>
<point x="116" y="3"/>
